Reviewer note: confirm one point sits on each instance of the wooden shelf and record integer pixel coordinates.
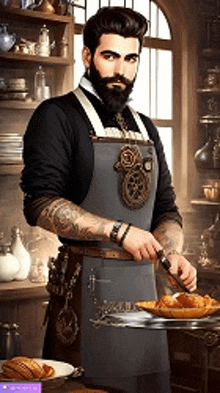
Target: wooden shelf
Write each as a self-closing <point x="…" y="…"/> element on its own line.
<point x="210" y="53"/>
<point x="209" y="119"/>
<point x="50" y="60"/>
<point x="35" y="15"/>
<point x="11" y="169"/>
<point x="209" y="91"/>
<point x="59" y="70"/>
<point x="12" y="104"/>
<point x="203" y="202"/>
<point x="21" y="290"/>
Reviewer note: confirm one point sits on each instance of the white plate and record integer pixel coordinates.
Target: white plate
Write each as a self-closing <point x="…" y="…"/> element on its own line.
<point x="62" y="369"/>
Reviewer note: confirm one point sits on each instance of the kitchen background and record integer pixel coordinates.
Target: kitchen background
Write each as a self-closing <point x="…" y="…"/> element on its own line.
<point x="198" y="144"/>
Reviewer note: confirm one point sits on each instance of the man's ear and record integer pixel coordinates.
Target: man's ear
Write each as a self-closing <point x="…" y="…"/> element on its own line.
<point x="86" y="56"/>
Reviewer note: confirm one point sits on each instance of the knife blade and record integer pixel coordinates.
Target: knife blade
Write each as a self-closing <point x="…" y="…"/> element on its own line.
<point x="166" y="265"/>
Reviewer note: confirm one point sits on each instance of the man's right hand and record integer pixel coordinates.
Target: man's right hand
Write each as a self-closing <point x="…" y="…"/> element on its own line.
<point x="140" y="243"/>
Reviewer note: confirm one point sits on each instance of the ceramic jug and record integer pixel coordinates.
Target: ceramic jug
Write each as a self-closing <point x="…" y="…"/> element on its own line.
<point x="9" y="265"/>
<point x="7" y="40"/>
<point x="20" y="252"/>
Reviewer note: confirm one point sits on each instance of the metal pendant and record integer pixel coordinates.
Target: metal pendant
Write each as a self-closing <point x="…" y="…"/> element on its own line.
<point x="67" y="325"/>
<point x="135" y="182"/>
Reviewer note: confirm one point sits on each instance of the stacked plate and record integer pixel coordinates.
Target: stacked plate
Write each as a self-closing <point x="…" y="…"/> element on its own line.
<point x="11" y="146"/>
<point x="16" y="90"/>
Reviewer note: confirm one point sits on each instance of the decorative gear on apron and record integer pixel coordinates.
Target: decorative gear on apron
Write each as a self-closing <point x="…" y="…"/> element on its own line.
<point x="135" y="182"/>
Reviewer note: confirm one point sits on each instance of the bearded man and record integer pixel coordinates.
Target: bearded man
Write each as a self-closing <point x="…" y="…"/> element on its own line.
<point x="95" y="174"/>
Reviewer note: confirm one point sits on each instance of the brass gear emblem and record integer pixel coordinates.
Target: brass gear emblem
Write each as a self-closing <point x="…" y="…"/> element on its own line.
<point x="136" y="175"/>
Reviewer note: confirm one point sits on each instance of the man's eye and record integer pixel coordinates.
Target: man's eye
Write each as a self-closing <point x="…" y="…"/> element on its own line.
<point x="109" y="57"/>
<point x="132" y="59"/>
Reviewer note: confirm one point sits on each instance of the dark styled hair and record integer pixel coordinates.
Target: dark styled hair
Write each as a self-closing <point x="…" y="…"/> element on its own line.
<point x="114" y="20"/>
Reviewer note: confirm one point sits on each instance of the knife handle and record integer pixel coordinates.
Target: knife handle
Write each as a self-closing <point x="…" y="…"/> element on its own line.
<point x="166" y="265"/>
<point x="163" y="260"/>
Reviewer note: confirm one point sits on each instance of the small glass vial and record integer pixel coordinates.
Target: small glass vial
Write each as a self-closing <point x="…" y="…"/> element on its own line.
<point x="39" y="84"/>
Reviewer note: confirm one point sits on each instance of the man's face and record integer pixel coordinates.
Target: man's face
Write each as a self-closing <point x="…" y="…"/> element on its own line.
<point x="113" y="68"/>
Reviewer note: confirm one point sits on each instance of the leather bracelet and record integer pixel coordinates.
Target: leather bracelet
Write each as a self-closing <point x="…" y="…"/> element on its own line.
<point x="124" y="234"/>
<point x="114" y="231"/>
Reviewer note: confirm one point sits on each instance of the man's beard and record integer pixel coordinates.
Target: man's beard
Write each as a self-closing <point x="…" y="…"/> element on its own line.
<point x="113" y="98"/>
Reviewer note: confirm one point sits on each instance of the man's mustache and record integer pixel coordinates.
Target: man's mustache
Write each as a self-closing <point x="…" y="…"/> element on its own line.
<point x="117" y="78"/>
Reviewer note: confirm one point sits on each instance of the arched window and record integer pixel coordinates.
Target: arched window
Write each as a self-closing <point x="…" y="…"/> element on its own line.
<point x="165" y="75"/>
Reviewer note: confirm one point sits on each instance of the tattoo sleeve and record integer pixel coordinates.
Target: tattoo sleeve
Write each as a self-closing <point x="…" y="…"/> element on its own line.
<point x="68" y="220"/>
<point x="170" y="235"/>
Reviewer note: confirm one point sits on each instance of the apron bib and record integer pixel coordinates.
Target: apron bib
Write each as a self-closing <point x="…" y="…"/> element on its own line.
<point x="108" y="351"/>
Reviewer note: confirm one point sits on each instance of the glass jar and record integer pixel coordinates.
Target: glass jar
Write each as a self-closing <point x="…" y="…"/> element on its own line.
<point x="9" y="265"/>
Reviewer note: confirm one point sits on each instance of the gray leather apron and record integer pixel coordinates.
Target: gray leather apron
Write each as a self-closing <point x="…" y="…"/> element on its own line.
<point x="108" y="351"/>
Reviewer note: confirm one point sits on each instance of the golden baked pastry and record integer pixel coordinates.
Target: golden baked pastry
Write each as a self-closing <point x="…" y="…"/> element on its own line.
<point x="191" y="300"/>
<point x="167" y="301"/>
<point x="48" y="371"/>
<point x="24" y="368"/>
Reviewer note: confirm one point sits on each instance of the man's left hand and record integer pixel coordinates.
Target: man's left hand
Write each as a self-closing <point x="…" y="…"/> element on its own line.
<point x="185" y="270"/>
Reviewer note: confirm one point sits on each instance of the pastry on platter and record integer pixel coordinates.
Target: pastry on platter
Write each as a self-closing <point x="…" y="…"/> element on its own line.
<point x="27" y="369"/>
<point x="181" y="305"/>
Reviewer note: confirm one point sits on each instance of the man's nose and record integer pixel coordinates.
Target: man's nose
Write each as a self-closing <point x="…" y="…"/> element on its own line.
<point x="119" y="67"/>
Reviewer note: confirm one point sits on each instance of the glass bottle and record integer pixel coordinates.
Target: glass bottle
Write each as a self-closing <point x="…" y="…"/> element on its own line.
<point x="10" y="344"/>
<point x="204" y="156"/>
<point x="41" y="249"/>
<point x="39" y="84"/>
<point x="20" y="252"/>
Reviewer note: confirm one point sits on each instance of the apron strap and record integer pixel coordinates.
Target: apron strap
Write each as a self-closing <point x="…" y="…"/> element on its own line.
<point x="91" y="112"/>
<point x="96" y="121"/>
<point x="140" y="123"/>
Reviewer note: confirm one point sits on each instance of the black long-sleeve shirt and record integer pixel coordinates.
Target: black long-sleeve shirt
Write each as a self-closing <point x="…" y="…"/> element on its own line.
<point x="58" y="156"/>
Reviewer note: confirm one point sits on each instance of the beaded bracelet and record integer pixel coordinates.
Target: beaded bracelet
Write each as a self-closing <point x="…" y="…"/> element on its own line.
<point x="124" y="234"/>
<point x="114" y="231"/>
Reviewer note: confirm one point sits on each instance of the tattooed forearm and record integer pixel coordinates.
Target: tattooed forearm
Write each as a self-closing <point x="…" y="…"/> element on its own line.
<point x="170" y="235"/>
<point x="71" y="221"/>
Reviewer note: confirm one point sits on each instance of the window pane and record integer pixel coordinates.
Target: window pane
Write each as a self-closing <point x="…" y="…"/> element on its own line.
<point x="164" y="29"/>
<point x="119" y="3"/>
<point x="142" y="7"/>
<point x="153" y="19"/>
<point x="104" y="3"/>
<point x="152" y="93"/>
<point x="164" y="84"/>
<point x="129" y="3"/>
<point x="166" y="135"/>
<point x="79" y="15"/>
<point x="141" y="94"/>
<point x="92" y="7"/>
<point x="80" y="2"/>
<point x="78" y="65"/>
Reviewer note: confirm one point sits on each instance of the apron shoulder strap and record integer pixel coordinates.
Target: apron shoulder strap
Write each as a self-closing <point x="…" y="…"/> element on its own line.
<point x="91" y="112"/>
<point x="95" y="119"/>
<point x="140" y="124"/>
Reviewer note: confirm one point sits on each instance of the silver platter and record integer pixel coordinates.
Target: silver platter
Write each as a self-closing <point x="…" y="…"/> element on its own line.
<point x="145" y="320"/>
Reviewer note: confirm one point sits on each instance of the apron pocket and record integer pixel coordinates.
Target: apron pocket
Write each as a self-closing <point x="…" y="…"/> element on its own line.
<point x="127" y="284"/>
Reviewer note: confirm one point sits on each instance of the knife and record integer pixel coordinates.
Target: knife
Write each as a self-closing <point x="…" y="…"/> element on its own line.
<point x="166" y="265"/>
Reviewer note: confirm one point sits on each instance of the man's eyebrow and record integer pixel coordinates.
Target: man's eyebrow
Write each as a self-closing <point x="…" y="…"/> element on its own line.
<point x="109" y="52"/>
<point x="132" y="55"/>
